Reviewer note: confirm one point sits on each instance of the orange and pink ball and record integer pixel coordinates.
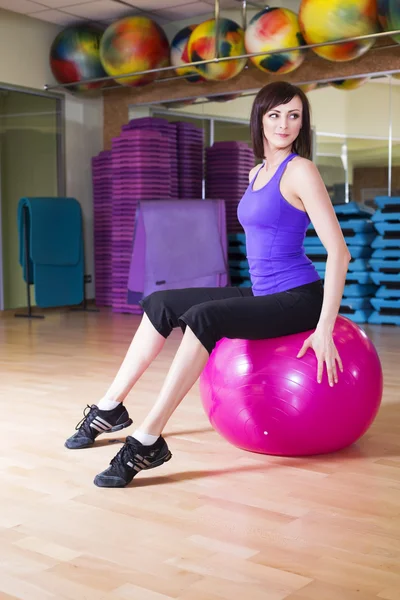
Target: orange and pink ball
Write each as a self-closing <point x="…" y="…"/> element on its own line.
<point x="274" y="29"/>
<point x="131" y="45"/>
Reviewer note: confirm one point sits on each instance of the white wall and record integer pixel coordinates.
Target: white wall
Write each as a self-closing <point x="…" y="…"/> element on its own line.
<point x="83" y="140"/>
<point x="24" y="47"/>
<point x="361" y="112"/>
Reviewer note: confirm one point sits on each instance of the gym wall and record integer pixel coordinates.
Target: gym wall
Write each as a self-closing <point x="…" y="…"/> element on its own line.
<point x="24" y="46"/>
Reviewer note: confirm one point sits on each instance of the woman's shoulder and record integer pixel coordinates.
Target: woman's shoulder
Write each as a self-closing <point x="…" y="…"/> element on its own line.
<point x="253" y="171"/>
<point x="299" y="165"/>
<point x="299" y="161"/>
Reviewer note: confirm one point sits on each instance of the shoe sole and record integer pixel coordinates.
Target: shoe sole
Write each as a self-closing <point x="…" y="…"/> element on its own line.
<point x="112" y="430"/>
<point x="119" y="427"/>
<point x="157" y="463"/>
<point x="160" y="461"/>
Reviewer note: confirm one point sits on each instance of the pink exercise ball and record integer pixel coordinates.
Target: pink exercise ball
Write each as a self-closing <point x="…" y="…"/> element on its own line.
<point x="261" y="398"/>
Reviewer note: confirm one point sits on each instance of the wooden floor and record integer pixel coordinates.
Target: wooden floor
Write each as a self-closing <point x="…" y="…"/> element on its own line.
<point x="213" y="523"/>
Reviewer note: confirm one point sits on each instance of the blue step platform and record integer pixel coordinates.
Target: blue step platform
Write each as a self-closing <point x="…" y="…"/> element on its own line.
<point x="355" y="222"/>
<point x="357" y="309"/>
<point x="388" y="206"/>
<point x="392" y="304"/>
<point x="238" y="263"/>
<point x="353" y="226"/>
<point x="381" y="278"/>
<point x="387" y="261"/>
<point x="388" y="229"/>
<point x="356" y="264"/>
<point x="240" y="281"/>
<point x="387" y="306"/>
<point x="358" y="316"/>
<point x="356" y="290"/>
<point x="386" y="216"/>
<point x="355" y="251"/>
<point x="237" y="237"/>
<point x="380" y="319"/>
<point x="387" y="291"/>
<point x="386" y="242"/>
<point x="320" y="268"/>
<point x="240" y="275"/>
<point x="352" y="210"/>
<point x="356" y="303"/>
<point x="360" y="277"/>
<point x="236" y="248"/>
<point x="351" y="237"/>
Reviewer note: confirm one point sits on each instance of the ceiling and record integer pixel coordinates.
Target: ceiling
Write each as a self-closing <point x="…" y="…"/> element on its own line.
<point x="66" y="12"/>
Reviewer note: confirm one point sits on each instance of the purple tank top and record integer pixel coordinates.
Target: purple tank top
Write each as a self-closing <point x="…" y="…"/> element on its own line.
<point x="275" y="231"/>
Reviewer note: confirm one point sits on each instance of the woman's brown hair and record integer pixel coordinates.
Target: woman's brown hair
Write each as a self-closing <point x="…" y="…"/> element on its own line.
<point x="271" y="95"/>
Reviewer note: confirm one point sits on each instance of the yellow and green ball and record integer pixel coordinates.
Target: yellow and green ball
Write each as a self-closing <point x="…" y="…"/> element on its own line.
<point x="329" y="20"/>
<point x="202" y="46"/>
<point x="180" y="57"/>
<point x="348" y="84"/>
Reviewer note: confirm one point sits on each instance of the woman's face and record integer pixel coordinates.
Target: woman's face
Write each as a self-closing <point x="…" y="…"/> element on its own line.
<point x="282" y="124"/>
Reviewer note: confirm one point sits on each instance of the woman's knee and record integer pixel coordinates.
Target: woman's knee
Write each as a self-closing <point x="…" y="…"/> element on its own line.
<point x="159" y="300"/>
<point x="201" y="320"/>
<point x="159" y="310"/>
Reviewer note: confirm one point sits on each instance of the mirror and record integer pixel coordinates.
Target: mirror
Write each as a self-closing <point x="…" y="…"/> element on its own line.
<point x="394" y="172"/>
<point x="356" y="127"/>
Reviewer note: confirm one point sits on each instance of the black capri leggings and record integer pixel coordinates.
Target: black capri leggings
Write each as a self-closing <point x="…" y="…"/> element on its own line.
<point x="234" y="312"/>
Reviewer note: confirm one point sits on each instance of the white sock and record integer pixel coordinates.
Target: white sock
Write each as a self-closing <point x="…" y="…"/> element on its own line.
<point x="144" y="438"/>
<point x="105" y="404"/>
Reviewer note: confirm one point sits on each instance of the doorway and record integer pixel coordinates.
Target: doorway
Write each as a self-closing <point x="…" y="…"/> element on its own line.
<point x="31" y="164"/>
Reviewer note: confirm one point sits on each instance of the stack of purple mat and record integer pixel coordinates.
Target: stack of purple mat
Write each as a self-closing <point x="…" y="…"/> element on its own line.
<point x="170" y="132"/>
<point x="190" y="160"/>
<point x="141" y="170"/>
<point x="227" y="176"/>
<point x="102" y="211"/>
<point x="151" y="159"/>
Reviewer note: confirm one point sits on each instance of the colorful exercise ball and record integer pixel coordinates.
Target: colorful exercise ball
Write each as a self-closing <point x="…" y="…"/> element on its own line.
<point x="308" y="87"/>
<point x="180" y="57"/>
<point x="202" y="46"/>
<point x="260" y="397"/>
<point x="275" y="29"/>
<point x="389" y="16"/>
<point x="131" y="45"/>
<point x="179" y="104"/>
<point x="75" y="57"/>
<point x="328" y="20"/>
<point x="224" y="97"/>
<point x="348" y="84"/>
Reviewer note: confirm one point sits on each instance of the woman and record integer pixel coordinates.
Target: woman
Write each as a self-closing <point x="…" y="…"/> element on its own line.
<point x="285" y="192"/>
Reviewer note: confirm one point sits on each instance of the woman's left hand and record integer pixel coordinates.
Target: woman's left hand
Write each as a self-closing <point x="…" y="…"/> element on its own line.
<point x="326" y="352"/>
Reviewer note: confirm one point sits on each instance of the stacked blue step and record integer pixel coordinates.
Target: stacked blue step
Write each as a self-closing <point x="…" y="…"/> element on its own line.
<point x="237" y="260"/>
<point x="357" y="309"/>
<point x="359" y="233"/>
<point x="385" y="261"/>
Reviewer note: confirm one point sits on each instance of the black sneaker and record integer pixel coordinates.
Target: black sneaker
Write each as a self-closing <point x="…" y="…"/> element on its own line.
<point x="130" y="460"/>
<point x="98" y="421"/>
